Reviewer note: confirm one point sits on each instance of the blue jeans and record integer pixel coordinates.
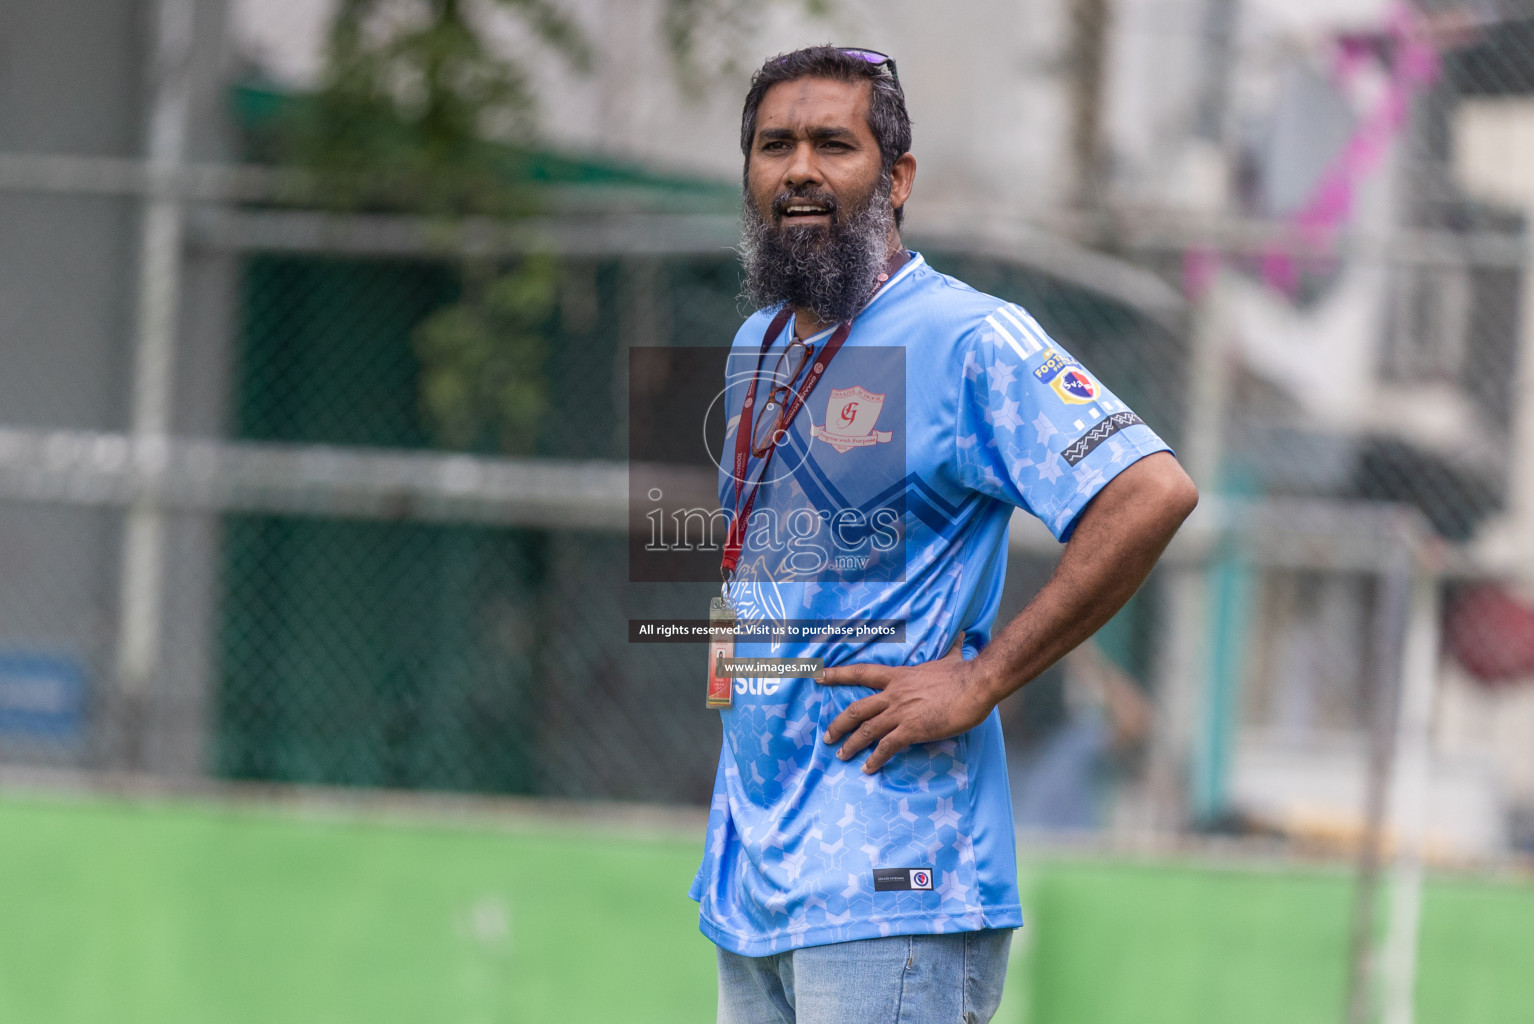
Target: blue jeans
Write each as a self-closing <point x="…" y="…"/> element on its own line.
<point x="903" y="979"/>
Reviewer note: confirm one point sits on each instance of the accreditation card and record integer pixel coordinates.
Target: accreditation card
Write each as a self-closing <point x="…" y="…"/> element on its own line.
<point x="721" y="645"/>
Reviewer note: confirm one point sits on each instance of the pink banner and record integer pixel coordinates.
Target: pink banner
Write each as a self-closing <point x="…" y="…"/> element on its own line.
<point x="1413" y="65"/>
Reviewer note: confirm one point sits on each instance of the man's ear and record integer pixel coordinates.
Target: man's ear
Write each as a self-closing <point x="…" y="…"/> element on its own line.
<point x="902" y="177"/>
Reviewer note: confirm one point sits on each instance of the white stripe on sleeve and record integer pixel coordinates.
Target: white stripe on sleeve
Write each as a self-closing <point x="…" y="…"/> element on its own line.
<point x="1003" y="332"/>
<point x="1032" y="336"/>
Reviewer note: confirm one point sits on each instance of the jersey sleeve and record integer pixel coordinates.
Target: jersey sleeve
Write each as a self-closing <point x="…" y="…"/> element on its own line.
<point x="1035" y="427"/>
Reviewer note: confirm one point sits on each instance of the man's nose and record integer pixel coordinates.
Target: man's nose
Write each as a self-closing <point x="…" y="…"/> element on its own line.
<point x="803" y="169"/>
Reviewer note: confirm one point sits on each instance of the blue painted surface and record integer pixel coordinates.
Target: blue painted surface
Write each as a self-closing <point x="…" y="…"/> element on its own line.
<point x="42" y="695"/>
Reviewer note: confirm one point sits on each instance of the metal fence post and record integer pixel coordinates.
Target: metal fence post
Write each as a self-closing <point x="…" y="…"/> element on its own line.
<point x="143" y="561"/>
<point x="1409" y="797"/>
<point x="1392" y="608"/>
<point x="1183" y="665"/>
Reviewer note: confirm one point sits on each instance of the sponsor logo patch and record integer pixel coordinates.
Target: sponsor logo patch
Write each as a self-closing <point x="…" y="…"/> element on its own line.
<point x="902" y="879"/>
<point x="1075" y="387"/>
<point x="1087" y="443"/>
<point x="1050" y="368"/>
<point x="1067" y="378"/>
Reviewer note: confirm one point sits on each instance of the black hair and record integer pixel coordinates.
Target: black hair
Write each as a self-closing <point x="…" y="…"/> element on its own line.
<point x="887" y="116"/>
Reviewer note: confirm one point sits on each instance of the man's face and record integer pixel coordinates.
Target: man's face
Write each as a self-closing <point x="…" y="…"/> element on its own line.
<point x="818" y="219"/>
<point x="813" y="159"/>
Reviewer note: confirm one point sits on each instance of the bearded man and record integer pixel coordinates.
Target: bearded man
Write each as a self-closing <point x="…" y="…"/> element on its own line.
<point x="860" y="862"/>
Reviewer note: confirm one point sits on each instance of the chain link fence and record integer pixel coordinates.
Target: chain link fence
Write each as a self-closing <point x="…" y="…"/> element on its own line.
<point x="314" y="424"/>
<point x="371" y="532"/>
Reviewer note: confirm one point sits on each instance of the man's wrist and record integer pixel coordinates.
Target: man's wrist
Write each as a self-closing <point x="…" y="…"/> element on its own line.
<point x="987" y="682"/>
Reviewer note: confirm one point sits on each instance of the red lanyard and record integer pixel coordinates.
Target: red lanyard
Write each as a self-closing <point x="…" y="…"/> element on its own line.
<point x="736" y="538"/>
<point x="743" y="430"/>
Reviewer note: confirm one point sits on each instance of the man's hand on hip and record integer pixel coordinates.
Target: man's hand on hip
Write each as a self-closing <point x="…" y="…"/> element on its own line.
<point x="1118" y="538"/>
<point x="915" y="704"/>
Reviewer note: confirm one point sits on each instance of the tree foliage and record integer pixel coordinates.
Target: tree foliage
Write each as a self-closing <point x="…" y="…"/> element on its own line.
<point x="482" y="360"/>
<point x="416" y="105"/>
<point x="420" y="111"/>
<point x="707" y="38"/>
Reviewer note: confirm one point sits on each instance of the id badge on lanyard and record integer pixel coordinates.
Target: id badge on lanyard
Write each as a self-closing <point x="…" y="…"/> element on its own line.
<point x="721" y="645"/>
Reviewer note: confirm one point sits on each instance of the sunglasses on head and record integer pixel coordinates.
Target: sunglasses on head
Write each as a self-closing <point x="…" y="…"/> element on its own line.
<point x="880" y="61"/>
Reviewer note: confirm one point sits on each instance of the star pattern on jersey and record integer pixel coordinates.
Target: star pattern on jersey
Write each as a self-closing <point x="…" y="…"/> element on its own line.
<point x="793" y="865"/>
<point x="945" y="816"/>
<point x="1045" y="427"/>
<point x="801" y="730"/>
<point x="1001" y="376"/>
<point x="794" y="834"/>
<point x="819" y="877"/>
<point x="1090" y="482"/>
<point x="1006" y="418"/>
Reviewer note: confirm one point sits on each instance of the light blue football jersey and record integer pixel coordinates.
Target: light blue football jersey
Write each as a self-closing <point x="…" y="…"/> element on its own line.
<point x="890" y="500"/>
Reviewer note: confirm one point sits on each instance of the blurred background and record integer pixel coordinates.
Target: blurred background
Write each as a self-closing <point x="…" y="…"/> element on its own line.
<point x="315" y="697"/>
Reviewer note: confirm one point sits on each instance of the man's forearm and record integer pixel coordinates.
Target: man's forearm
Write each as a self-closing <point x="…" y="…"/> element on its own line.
<point x="1121" y="534"/>
<point x="1116" y="544"/>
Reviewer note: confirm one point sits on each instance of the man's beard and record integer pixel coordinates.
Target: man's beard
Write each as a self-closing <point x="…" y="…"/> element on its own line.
<point x="829" y="271"/>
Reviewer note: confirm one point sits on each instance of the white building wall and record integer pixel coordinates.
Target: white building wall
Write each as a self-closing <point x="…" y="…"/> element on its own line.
<point x="983" y="81"/>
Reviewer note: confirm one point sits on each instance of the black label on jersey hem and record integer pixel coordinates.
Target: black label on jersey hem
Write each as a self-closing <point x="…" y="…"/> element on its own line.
<point x="904" y="879"/>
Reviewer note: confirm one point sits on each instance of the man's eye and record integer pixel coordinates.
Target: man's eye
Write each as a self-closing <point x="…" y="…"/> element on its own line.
<point x="773" y="146"/>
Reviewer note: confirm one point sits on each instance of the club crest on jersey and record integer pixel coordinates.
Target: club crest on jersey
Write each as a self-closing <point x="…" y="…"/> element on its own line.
<point x="851" y="414"/>
<point x="1069" y="381"/>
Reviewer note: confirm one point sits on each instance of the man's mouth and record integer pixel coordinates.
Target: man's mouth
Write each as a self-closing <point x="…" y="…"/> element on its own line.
<point x="803" y="211"/>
